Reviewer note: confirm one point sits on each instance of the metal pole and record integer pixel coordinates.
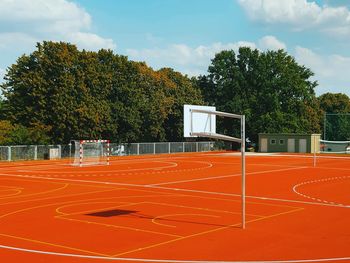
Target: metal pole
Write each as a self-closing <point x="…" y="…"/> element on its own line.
<point x="81" y="153"/>
<point x="243" y="168"/>
<point x="108" y="151"/>
<point x="70" y="150"/>
<point x="324" y="126"/>
<point x="35" y="152"/>
<point x="314" y="149"/>
<point x="9" y="153"/>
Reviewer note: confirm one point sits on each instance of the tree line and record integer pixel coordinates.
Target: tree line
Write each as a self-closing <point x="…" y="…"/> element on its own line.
<point x="58" y="93"/>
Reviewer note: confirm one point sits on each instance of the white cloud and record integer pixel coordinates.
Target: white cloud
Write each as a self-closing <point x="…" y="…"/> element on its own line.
<point x="16" y="39"/>
<point x="300" y="15"/>
<point x="90" y="41"/>
<point x="191" y="61"/>
<point x="271" y="43"/>
<point x="331" y="71"/>
<point x="61" y="14"/>
<point x="30" y="21"/>
<point x="195" y="60"/>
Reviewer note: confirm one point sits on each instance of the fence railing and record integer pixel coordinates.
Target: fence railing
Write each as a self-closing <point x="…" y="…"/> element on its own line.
<point x="41" y="152"/>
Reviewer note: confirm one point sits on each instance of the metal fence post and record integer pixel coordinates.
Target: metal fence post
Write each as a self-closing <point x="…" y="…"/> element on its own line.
<point x="35" y="152"/>
<point x="138" y="149"/>
<point x="59" y="151"/>
<point x="70" y="150"/>
<point x="9" y="153"/>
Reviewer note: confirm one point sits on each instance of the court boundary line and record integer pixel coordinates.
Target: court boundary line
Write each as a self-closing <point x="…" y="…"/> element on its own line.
<point x="225" y="176"/>
<point x="175" y="189"/>
<point x="168" y="260"/>
<point x="173" y="164"/>
<point x="51" y="244"/>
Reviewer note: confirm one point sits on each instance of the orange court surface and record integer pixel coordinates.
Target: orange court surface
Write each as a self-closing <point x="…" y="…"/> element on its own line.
<point x="176" y="208"/>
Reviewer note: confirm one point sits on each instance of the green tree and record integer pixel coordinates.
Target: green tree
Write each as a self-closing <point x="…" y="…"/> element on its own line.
<point x="12" y="134"/>
<point x="334" y="103"/>
<point x="6" y="129"/>
<point x="336" y="111"/>
<point x="181" y="90"/>
<point x="270" y="88"/>
<point x="70" y="94"/>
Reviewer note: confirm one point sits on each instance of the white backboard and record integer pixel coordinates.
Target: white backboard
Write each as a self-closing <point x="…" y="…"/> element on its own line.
<point x="197" y="121"/>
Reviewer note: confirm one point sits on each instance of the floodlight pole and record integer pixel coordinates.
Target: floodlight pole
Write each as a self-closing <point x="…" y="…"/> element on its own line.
<point x="243" y="168"/>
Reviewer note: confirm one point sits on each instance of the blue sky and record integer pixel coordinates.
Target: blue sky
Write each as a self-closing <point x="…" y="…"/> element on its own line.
<point x="186" y="34"/>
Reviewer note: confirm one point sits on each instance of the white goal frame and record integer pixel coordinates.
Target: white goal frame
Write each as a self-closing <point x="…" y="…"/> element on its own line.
<point x="81" y="163"/>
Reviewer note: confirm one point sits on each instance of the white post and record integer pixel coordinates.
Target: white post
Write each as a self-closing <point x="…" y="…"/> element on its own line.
<point x="169" y="147"/>
<point x="81" y="153"/>
<point x="314" y="149"/>
<point x="70" y="150"/>
<point x="243" y="168"/>
<point x="196" y="146"/>
<point x="108" y="152"/>
<point x="9" y="153"/>
<point x="138" y="149"/>
<point x="35" y="152"/>
<point x="154" y="148"/>
<point x="183" y="147"/>
<point x="59" y="151"/>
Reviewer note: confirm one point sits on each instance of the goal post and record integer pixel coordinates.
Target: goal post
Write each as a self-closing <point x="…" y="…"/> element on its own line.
<point x="200" y="121"/>
<point x="91" y="152"/>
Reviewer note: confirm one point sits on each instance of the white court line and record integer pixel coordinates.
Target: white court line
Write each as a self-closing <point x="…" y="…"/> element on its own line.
<point x="176" y="189"/>
<point x="318" y="181"/>
<point x="165" y="260"/>
<point x="251" y="196"/>
<point x="169" y="260"/>
<point x="172" y="164"/>
<point x="225" y="176"/>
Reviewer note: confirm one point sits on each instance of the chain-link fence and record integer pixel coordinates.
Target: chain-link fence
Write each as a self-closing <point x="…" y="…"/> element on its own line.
<point x="42" y="152"/>
<point x="160" y="147"/>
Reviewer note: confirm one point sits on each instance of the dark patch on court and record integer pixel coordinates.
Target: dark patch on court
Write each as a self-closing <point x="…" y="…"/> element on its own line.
<point x="110" y="213"/>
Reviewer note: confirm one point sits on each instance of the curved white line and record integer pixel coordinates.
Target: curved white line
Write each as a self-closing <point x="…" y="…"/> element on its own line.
<point x="174" y="189"/>
<point x="167" y="260"/>
<point x="170" y="165"/>
<point x="317" y="181"/>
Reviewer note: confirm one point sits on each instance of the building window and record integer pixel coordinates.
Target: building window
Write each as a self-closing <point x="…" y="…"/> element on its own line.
<point x="281" y="141"/>
<point x="273" y="141"/>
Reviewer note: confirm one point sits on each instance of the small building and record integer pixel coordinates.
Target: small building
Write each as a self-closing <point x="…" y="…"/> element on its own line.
<point x="289" y="142"/>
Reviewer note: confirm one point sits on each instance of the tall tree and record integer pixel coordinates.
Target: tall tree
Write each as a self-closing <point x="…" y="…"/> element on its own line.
<point x="182" y="91"/>
<point x="270" y="88"/>
<point x="72" y="94"/>
<point x="336" y="111"/>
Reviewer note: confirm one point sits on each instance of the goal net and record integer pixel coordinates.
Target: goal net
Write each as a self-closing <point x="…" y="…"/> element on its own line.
<point x="340" y="147"/>
<point x="91" y="152"/>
